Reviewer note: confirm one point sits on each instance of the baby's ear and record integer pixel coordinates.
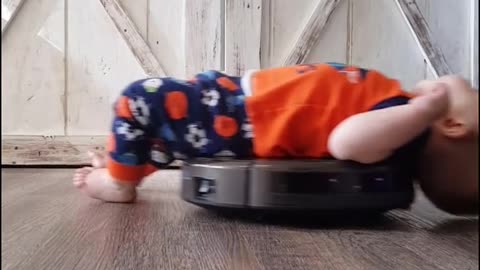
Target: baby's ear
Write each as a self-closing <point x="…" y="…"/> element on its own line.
<point x="454" y="128"/>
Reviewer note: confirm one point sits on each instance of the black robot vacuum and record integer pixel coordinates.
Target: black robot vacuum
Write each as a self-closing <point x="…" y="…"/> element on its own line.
<point x="298" y="185"/>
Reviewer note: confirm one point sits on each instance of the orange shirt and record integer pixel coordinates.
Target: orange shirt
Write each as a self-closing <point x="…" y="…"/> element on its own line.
<point x="294" y="109"/>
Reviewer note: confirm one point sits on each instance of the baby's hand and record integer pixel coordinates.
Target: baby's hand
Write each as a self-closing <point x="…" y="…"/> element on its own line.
<point x="433" y="99"/>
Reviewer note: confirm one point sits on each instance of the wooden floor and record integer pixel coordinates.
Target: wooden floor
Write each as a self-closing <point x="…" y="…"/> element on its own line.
<point x="47" y="224"/>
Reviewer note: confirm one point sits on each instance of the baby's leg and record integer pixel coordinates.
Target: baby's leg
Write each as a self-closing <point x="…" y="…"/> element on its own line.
<point x="113" y="178"/>
<point x="202" y="118"/>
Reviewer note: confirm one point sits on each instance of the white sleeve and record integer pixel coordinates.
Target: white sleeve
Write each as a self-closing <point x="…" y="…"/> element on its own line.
<point x="246" y="82"/>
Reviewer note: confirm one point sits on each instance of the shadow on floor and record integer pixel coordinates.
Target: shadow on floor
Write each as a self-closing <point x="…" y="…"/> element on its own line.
<point x="456" y="226"/>
<point x="306" y="220"/>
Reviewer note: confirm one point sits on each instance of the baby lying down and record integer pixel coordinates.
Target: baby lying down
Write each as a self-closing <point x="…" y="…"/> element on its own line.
<point x="303" y="111"/>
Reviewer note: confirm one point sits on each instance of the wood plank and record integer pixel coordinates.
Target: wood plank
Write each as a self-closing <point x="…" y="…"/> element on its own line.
<point x="203" y="36"/>
<point x="48" y="224"/>
<point x="310" y="32"/>
<point x="474" y="43"/>
<point x="281" y="20"/>
<point x="166" y="35"/>
<point x="381" y="40"/>
<point x="447" y="19"/>
<point x="39" y="150"/>
<point x="243" y="23"/>
<point x="33" y="74"/>
<point x="332" y="44"/>
<point x="423" y="36"/>
<point x="266" y="36"/>
<point x="100" y="64"/>
<point x="53" y="150"/>
<point x="53" y="28"/>
<point x="137" y="11"/>
<point x="10" y="9"/>
<point x="135" y="42"/>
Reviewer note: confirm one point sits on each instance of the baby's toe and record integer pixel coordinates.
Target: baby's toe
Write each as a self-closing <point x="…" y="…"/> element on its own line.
<point x="80" y="176"/>
<point x="85" y="171"/>
<point x="79" y="184"/>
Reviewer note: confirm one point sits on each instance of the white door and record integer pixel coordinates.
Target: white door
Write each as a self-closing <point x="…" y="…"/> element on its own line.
<point x="65" y="61"/>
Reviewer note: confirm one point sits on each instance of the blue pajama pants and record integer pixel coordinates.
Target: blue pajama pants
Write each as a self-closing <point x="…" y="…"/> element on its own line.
<point x="158" y="120"/>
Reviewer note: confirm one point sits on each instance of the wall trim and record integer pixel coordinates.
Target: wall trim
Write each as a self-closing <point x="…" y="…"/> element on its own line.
<point x="49" y="150"/>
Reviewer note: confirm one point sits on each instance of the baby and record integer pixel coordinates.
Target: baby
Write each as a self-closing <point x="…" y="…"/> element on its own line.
<point x="303" y="111"/>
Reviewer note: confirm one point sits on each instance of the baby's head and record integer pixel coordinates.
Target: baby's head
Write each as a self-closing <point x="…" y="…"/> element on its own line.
<point x="461" y="120"/>
<point x="449" y="168"/>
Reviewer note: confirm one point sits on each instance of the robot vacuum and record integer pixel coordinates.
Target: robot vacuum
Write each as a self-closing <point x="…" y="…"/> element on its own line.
<point x="298" y="185"/>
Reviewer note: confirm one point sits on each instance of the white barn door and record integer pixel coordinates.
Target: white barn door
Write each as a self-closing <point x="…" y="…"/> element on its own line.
<point x="65" y="61"/>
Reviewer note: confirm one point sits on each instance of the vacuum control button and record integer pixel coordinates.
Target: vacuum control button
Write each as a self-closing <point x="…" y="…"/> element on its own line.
<point x="204" y="187"/>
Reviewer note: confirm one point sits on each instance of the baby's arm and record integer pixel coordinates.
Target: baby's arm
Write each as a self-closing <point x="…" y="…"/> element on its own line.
<point x="373" y="136"/>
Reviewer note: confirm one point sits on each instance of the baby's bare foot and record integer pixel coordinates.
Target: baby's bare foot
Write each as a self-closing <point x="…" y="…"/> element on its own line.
<point x="97" y="183"/>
